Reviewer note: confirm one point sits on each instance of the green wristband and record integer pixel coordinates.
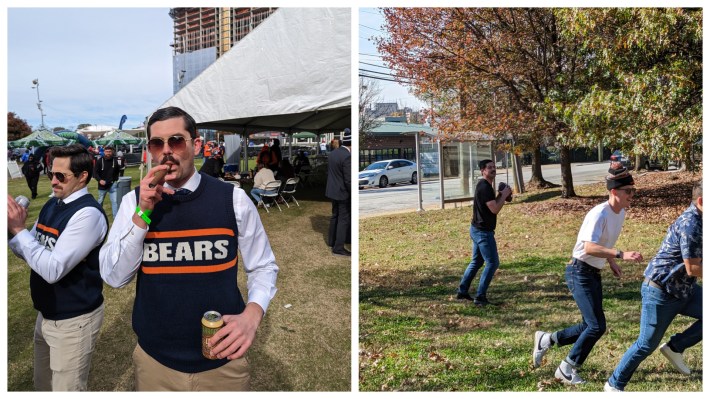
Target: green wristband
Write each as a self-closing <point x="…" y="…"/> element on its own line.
<point x="143" y="214"/>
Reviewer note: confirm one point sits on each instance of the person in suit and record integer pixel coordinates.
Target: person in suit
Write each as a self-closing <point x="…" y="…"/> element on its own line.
<point x="338" y="190"/>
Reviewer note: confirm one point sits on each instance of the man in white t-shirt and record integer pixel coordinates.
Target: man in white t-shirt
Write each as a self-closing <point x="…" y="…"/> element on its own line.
<point x="593" y="249"/>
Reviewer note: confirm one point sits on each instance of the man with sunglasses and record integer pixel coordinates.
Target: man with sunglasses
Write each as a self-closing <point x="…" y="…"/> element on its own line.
<point x="669" y="288"/>
<point x="594" y="248"/>
<point x="186" y="262"/>
<point x="62" y="249"/>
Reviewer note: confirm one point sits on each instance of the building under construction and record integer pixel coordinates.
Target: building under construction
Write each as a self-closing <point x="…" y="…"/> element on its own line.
<point x="201" y="35"/>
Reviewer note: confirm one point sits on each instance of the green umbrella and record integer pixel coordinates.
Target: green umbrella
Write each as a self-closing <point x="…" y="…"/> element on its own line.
<point x="74" y="137"/>
<point x="305" y="135"/>
<point x="118" y="137"/>
<point x="39" y="138"/>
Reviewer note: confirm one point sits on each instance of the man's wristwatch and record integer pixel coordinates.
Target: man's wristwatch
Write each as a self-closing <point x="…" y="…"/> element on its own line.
<point x="619" y="254"/>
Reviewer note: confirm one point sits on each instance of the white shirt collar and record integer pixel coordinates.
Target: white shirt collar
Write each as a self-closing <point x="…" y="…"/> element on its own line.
<point x="192" y="183"/>
<point x="76" y="195"/>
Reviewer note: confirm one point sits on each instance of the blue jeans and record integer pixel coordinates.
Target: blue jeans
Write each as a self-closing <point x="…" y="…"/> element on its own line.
<point x="256" y="194"/>
<point x="585" y="284"/>
<point x="658" y="309"/>
<point x="485" y="251"/>
<point x="112" y="196"/>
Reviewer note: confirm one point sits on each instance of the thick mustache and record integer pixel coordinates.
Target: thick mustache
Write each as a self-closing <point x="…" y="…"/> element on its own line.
<point x="169" y="158"/>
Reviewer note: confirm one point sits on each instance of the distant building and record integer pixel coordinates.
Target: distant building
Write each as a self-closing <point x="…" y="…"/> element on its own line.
<point x="392" y="139"/>
<point x="201" y="35"/>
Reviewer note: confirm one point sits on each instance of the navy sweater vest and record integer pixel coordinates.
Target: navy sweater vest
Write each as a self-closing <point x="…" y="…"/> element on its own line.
<point x="80" y="291"/>
<point x="189" y="266"/>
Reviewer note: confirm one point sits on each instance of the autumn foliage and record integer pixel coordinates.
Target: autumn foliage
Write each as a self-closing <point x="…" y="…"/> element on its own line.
<point x="563" y="77"/>
<point x="16" y="128"/>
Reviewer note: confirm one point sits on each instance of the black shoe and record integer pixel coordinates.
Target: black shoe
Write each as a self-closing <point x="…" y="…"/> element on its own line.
<point x="465" y="295"/>
<point x="482" y="301"/>
<point x="342" y="252"/>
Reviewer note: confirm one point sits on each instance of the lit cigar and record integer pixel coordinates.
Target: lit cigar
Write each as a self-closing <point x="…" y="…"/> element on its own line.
<point x="158" y="176"/>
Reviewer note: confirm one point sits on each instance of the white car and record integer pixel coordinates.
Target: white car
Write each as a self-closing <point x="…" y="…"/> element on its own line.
<point x="383" y="173"/>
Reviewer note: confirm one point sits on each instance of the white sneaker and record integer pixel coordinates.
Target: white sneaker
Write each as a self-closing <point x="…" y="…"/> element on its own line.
<point x="675" y="358"/>
<point x="572" y="378"/>
<point x="609" y="388"/>
<point x="540" y="347"/>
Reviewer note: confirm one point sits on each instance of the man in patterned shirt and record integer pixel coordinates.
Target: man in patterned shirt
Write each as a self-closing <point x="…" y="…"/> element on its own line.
<point x="669" y="289"/>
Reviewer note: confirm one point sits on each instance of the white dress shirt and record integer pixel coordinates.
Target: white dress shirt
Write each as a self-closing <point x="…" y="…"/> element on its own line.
<point x="84" y="232"/>
<point x="121" y="255"/>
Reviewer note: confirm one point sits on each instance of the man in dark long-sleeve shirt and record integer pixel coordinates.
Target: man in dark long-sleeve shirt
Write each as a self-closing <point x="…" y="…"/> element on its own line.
<point x="106" y="171"/>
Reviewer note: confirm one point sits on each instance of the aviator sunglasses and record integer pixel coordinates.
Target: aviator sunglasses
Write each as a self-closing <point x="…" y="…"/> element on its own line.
<point x="176" y="143"/>
<point x="59" y="175"/>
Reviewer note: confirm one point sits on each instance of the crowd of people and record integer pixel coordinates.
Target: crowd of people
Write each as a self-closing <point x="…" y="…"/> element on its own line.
<point x="155" y="234"/>
<point x="160" y="236"/>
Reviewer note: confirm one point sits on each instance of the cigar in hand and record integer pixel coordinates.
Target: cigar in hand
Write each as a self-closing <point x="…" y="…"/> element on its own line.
<point x="158" y="176"/>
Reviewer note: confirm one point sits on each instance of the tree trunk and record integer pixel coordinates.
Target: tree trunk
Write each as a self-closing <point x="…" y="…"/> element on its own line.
<point x="566" y="173"/>
<point x="536" y="180"/>
<point x="637" y="163"/>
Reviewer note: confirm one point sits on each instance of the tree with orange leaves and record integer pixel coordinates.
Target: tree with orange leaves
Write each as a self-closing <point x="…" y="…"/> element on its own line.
<point x="495" y="71"/>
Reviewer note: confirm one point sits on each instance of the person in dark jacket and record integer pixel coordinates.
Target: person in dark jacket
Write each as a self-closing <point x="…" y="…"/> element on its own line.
<point x="31" y="169"/>
<point x="275" y="149"/>
<point x="338" y="190"/>
<point x="106" y="171"/>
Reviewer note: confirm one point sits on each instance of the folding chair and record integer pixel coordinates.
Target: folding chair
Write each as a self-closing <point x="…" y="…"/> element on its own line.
<point x="290" y="189"/>
<point x="270" y="191"/>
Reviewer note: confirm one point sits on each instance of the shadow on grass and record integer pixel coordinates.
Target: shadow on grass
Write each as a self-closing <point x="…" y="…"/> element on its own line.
<point x="415" y="319"/>
<point x="542" y="196"/>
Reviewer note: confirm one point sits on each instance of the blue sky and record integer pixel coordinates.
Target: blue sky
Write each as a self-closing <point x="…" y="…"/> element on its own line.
<point x="371" y="25"/>
<point x="93" y="64"/>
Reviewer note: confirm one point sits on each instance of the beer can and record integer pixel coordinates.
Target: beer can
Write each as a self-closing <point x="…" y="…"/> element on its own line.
<point x="211" y="323"/>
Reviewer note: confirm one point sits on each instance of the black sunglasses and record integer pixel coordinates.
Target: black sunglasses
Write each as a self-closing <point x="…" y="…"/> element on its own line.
<point x="59" y="175"/>
<point x="176" y="143"/>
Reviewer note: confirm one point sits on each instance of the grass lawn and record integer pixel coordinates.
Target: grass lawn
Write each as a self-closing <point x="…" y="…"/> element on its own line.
<point x="416" y="336"/>
<point x="303" y="343"/>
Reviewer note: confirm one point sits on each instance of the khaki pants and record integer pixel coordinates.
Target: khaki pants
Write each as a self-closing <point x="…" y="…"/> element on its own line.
<point x="62" y="351"/>
<point x="153" y="376"/>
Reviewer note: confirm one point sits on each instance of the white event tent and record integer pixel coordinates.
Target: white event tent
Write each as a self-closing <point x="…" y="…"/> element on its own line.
<point x="291" y="74"/>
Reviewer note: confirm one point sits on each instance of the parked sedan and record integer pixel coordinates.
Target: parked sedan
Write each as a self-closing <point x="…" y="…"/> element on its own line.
<point x="622" y="158"/>
<point x="382" y="173"/>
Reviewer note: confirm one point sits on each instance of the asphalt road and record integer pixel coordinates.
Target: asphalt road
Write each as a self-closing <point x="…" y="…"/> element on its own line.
<point x="403" y="197"/>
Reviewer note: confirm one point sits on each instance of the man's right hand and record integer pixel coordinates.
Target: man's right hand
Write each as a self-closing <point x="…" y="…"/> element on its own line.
<point x="507" y="191"/>
<point x="151" y="196"/>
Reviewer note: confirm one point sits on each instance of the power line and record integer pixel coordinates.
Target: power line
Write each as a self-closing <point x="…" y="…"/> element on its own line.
<point x="376" y="30"/>
<point x="374" y="65"/>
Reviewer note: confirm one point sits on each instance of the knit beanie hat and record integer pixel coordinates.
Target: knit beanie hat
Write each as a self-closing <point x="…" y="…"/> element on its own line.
<point x="618" y="176"/>
<point x="346" y="137"/>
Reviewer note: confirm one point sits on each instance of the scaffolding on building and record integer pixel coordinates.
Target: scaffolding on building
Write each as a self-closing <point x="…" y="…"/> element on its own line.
<point x="198" y="28"/>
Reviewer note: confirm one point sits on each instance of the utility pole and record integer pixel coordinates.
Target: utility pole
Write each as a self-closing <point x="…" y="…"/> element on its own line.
<point x="35" y="82"/>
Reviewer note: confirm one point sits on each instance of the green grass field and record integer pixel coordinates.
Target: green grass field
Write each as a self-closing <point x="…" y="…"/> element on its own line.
<point x="416" y="336"/>
<point x="301" y="347"/>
